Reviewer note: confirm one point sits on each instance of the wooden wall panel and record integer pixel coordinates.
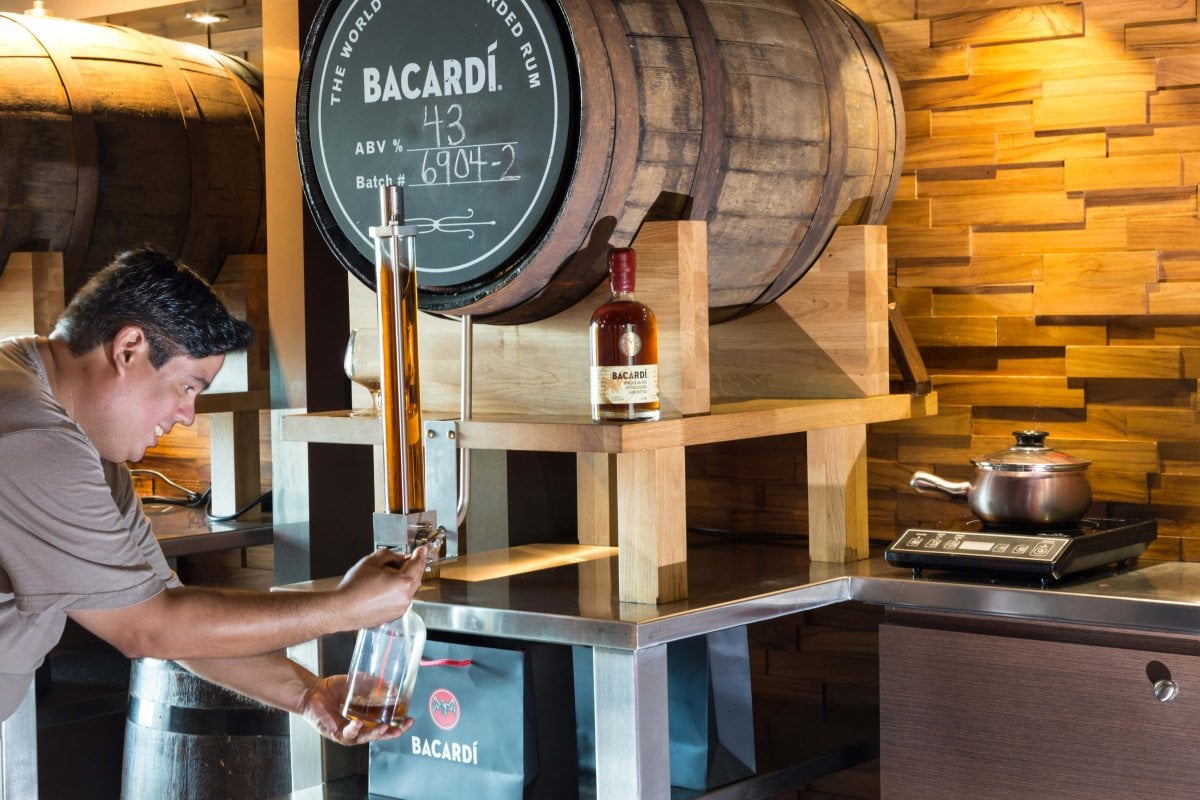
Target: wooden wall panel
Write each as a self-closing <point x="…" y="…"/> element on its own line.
<point x="1097" y="300"/>
<point x="1028" y="147"/>
<point x="982" y="271"/>
<point x="1061" y="164"/>
<point x="1017" y="24"/>
<point x="1123" y="172"/>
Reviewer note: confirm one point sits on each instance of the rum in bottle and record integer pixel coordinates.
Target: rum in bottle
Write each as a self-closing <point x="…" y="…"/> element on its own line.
<point x="624" y="348"/>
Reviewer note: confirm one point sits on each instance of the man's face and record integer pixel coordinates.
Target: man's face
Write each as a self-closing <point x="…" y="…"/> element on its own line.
<point x="145" y="403"/>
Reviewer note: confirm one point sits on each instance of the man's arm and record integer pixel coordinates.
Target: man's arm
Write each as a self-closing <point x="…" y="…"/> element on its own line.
<point x="190" y="622"/>
<point x="277" y="681"/>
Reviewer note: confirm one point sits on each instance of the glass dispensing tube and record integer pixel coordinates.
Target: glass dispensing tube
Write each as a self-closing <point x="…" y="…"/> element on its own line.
<point x="396" y="288"/>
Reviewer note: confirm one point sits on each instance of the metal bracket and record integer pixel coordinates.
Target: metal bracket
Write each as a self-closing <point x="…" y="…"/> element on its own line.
<point x="441" y="477"/>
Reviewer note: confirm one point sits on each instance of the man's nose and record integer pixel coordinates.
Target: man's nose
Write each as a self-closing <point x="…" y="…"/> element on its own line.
<point x="187" y="412"/>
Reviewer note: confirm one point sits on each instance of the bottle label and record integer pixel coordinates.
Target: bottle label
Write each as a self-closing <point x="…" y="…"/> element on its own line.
<point x="630" y="344"/>
<point x="618" y="385"/>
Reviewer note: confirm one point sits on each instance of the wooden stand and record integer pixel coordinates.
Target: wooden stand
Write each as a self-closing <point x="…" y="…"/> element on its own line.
<point x="540" y="369"/>
<point x="815" y="360"/>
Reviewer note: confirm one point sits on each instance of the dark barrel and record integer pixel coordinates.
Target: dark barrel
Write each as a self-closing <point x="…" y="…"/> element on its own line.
<point x="773" y="120"/>
<point x="188" y="739"/>
<point x="111" y="138"/>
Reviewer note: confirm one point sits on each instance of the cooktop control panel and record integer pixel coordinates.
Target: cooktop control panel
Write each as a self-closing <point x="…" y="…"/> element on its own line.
<point x="969" y="545"/>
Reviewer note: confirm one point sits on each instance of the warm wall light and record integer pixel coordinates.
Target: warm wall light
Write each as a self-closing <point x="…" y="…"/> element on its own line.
<point x="202" y="17"/>
<point x="207" y="19"/>
<point x="39" y="10"/>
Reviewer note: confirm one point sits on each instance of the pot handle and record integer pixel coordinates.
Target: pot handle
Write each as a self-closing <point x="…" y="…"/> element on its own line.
<point x="928" y="483"/>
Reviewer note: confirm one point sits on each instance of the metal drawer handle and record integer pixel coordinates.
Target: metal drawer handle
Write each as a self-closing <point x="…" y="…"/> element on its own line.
<point x="1166" y="690"/>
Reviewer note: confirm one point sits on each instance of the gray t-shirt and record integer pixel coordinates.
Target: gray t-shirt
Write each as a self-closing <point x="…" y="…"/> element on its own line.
<point x="72" y="532"/>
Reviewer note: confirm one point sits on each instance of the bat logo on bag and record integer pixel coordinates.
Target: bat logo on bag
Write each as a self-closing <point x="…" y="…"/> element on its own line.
<point x="444" y="709"/>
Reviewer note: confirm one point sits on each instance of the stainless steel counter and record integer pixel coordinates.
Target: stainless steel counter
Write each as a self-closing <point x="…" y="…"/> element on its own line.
<point x="1153" y="595"/>
<point x="731" y="584"/>
<point x="735" y="584"/>
<point x="186" y="531"/>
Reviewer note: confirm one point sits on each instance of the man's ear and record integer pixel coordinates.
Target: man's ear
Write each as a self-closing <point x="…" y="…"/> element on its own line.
<point x="128" y="346"/>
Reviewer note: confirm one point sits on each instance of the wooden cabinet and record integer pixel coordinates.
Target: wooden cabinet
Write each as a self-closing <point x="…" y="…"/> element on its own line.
<point x="1024" y="713"/>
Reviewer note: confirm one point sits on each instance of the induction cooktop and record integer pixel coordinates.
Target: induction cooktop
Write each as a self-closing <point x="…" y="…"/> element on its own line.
<point x="1047" y="554"/>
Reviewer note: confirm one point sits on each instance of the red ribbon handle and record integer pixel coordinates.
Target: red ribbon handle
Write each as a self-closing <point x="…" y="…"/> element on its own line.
<point x="444" y="662"/>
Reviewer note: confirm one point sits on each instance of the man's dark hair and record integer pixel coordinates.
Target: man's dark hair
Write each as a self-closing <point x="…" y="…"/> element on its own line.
<point x="147" y="287"/>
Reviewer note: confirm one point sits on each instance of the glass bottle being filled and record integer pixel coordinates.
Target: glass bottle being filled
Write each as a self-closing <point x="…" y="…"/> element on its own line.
<point x="624" y="348"/>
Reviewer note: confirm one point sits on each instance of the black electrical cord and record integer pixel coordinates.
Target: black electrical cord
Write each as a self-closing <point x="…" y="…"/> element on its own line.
<point x="262" y="498"/>
<point x="189" y="500"/>
<point x="193" y="499"/>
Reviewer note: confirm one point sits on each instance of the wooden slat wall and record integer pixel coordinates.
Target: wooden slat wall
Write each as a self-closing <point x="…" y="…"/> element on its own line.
<point x="815" y="681"/>
<point x="1045" y="246"/>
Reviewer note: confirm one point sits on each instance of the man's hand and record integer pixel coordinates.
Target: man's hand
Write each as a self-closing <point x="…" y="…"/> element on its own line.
<point x="380" y="587"/>
<point x="323" y="710"/>
<point x="186" y="623"/>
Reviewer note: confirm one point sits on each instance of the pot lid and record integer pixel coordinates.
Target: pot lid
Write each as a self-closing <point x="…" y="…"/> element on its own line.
<point x="1030" y="454"/>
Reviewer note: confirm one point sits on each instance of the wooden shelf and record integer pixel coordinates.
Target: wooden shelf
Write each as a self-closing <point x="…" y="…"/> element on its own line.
<point x="745" y="419"/>
<point x="221" y="402"/>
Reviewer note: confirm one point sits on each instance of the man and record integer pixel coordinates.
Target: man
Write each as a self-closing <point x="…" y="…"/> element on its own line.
<point x="124" y="364"/>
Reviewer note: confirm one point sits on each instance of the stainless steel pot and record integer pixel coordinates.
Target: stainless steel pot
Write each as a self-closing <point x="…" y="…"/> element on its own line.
<point x="1029" y="484"/>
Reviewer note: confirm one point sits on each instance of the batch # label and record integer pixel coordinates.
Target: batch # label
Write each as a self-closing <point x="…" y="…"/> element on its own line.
<point x="464" y="103"/>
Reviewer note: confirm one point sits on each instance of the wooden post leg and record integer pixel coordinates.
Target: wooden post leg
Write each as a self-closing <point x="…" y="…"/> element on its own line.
<point x="596" y="500"/>
<point x="837" y="494"/>
<point x="235" y="462"/>
<point x="596" y="496"/>
<point x="652" y="526"/>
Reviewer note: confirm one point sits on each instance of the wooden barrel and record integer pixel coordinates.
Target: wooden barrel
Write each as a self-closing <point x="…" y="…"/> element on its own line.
<point x="188" y="739"/>
<point x="773" y="120"/>
<point x="113" y="138"/>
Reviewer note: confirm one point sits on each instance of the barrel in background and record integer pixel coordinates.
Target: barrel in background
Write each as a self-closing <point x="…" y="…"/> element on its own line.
<point x="774" y="121"/>
<point x="188" y="739"/>
<point x="110" y="138"/>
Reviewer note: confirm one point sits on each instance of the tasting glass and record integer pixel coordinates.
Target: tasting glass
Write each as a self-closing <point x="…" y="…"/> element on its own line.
<point x="362" y="366"/>
<point x="383" y="671"/>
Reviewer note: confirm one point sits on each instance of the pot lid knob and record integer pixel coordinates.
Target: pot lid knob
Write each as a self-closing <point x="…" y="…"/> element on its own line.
<point x="1031" y="438"/>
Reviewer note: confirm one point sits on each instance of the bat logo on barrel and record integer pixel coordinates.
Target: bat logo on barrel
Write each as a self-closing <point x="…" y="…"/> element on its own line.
<point x="444" y="709"/>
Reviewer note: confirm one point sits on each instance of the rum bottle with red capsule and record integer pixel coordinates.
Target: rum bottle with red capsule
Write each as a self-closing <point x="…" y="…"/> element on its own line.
<point x="624" y="349"/>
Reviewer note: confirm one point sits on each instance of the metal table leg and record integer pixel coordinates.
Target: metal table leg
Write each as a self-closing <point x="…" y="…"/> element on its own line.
<point x="18" y="751"/>
<point x="631" y="723"/>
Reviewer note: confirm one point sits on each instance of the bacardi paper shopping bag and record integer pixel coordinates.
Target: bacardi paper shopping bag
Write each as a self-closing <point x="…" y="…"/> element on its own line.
<point x="474" y="733"/>
<point x="710" y="717"/>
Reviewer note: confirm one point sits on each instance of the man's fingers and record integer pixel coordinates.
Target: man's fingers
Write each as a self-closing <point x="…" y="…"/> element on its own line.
<point x="416" y="561"/>
<point x="352" y="730"/>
